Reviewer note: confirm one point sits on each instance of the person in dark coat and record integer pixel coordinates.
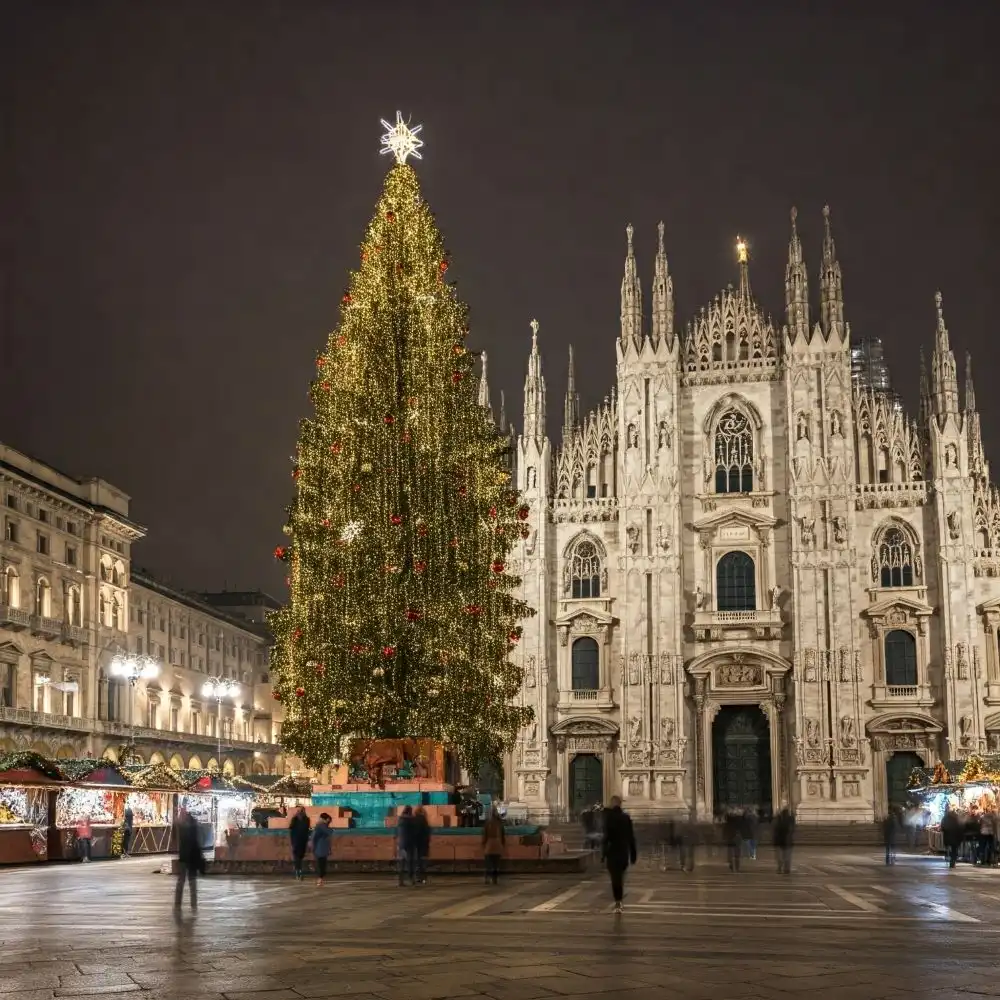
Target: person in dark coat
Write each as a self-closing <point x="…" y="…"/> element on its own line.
<point x="321" y="838"/>
<point x="406" y="843"/>
<point x="127" y="823"/>
<point x="784" y="833"/>
<point x="421" y="842"/>
<point x="618" y="848"/>
<point x="298" y="834"/>
<point x="190" y="859"/>
<point x="732" y="837"/>
<point x="494" y="842"/>
<point x="890" y="831"/>
<point x="952" y="832"/>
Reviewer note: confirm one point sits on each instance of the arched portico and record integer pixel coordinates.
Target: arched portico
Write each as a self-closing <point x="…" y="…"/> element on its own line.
<point x="591" y="736"/>
<point x="754" y="679"/>
<point x="894" y="733"/>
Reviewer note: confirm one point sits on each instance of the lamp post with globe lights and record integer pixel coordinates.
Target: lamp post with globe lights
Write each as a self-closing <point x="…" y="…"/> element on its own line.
<point x="133" y="668"/>
<point x="220" y="689"/>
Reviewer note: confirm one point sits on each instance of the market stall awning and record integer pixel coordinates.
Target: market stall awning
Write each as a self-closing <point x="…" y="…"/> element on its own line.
<point x="275" y="784"/>
<point x="208" y="781"/>
<point x="25" y="767"/>
<point x="94" y="771"/>
<point x="154" y="777"/>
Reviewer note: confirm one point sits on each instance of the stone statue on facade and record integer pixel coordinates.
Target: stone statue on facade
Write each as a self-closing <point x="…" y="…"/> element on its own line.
<point x="812" y="733"/>
<point x="635" y="729"/>
<point x="847" y="737"/>
<point x="632" y="537"/>
<point x="775" y="597"/>
<point x="840" y="529"/>
<point x="667" y="728"/>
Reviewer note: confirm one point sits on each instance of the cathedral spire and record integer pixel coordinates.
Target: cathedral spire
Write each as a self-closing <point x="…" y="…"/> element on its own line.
<point x="502" y="423"/>
<point x="571" y="408"/>
<point x="944" y="371"/>
<point x="631" y="295"/>
<point x="796" y="286"/>
<point x="925" y="392"/>
<point x="743" y="259"/>
<point x="831" y="284"/>
<point x="977" y="454"/>
<point x="534" y="393"/>
<point x="484" y="389"/>
<point x="663" y="294"/>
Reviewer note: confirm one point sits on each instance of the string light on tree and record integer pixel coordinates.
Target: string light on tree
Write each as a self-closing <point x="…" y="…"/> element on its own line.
<point x="401" y="140"/>
<point x="403" y="518"/>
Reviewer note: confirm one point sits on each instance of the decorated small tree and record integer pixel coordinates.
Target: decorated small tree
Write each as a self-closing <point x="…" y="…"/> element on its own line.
<point x="401" y="618"/>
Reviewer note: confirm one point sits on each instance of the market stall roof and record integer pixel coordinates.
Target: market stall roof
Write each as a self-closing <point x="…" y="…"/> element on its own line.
<point x="25" y="767"/>
<point x="975" y="767"/>
<point x="154" y="777"/>
<point x="207" y="781"/>
<point x="94" y="771"/>
<point x="275" y="784"/>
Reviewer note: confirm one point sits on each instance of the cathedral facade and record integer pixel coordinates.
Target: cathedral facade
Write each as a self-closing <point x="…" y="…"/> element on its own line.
<point x="759" y="582"/>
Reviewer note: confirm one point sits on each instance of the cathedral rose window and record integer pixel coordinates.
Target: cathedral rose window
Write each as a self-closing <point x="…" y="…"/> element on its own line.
<point x="733" y="454"/>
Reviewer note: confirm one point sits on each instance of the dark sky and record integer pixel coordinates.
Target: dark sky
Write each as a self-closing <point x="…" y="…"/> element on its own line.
<point x="185" y="185"/>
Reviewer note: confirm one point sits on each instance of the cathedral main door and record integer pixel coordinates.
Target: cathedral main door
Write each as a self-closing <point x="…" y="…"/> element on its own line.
<point x="741" y="755"/>
<point x="898" y="769"/>
<point x="586" y="782"/>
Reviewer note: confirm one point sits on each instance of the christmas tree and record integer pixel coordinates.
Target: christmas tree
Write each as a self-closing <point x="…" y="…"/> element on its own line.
<point x="402" y="617"/>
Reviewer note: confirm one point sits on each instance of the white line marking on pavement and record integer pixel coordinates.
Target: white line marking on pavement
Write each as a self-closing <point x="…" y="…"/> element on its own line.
<point x="854" y="900"/>
<point x="947" y="913"/>
<point x="646" y="897"/>
<point x="467" y="907"/>
<point x="884" y="889"/>
<point x="555" y="901"/>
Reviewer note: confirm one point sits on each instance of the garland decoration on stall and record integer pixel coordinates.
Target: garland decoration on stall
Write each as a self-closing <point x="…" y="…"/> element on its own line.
<point x="941" y="775"/>
<point x="29" y="760"/>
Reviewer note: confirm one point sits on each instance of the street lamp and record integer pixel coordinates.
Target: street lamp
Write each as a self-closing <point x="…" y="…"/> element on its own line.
<point x="220" y="689"/>
<point x="134" y="668"/>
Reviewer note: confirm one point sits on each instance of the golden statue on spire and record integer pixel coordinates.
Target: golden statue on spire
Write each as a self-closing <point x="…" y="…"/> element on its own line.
<point x="742" y="250"/>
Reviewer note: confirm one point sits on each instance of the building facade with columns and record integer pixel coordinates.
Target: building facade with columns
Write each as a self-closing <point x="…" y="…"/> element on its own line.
<point x="70" y="602"/>
<point x="759" y="582"/>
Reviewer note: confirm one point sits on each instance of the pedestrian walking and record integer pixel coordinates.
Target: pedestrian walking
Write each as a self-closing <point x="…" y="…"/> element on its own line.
<point x="784" y="835"/>
<point x="321" y="844"/>
<point x="298" y="834"/>
<point x="890" y="831"/>
<point x="406" y="846"/>
<point x="84" y="838"/>
<point x="421" y="842"/>
<point x="952" y="833"/>
<point x="732" y="836"/>
<point x="494" y="843"/>
<point x="190" y="858"/>
<point x="618" y="848"/>
<point x="127" y="820"/>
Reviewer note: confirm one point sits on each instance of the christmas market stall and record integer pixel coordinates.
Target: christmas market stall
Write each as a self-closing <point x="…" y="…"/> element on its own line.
<point x="274" y="795"/>
<point x="96" y="792"/>
<point x="27" y="781"/>
<point x="153" y="801"/>
<point x="216" y="804"/>
<point x="969" y="787"/>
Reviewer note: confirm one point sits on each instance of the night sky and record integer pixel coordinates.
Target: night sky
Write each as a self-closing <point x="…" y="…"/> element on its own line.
<point x="184" y="187"/>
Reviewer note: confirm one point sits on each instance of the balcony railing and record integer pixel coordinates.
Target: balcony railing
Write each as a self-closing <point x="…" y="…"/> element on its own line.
<point x="13" y="618"/>
<point x="26" y="717"/>
<point x="902" y="691"/>
<point x="73" y="634"/>
<point x="48" y="627"/>
<point x="713" y="624"/>
<point x="874" y="495"/>
<point x="587" y="695"/>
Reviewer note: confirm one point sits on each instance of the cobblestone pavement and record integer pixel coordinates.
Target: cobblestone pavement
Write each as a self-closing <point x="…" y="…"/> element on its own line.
<point x="841" y="926"/>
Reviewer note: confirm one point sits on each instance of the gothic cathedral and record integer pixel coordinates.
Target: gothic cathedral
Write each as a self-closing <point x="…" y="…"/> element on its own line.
<point x="759" y="582"/>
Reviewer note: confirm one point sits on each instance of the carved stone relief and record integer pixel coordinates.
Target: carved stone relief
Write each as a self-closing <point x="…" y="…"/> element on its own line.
<point x="731" y="675"/>
<point x="530" y="678"/>
<point x="632" y="538"/>
<point x="666" y="668"/>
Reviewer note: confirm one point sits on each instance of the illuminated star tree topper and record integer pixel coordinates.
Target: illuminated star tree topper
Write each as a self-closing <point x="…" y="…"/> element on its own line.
<point x="401" y="140"/>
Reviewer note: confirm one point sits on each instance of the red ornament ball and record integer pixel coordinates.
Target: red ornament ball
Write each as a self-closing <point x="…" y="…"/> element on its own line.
<point x="498" y="566"/>
<point x="346" y="299"/>
<point x="472" y="609"/>
<point x="406" y="437"/>
<point x="341" y="340"/>
<point x="297" y="634"/>
<point x="390" y="216"/>
<point x="338" y="580"/>
<point x="493" y="512"/>
<point x="336" y="448"/>
<point x="357" y="487"/>
<point x="523" y="512"/>
<point x="358" y="649"/>
<point x="456" y="377"/>
<point x="412" y="615"/>
<point x="422" y="530"/>
<point x="443" y="266"/>
<point x="388" y="652"/>
<point x="458" y="349"/>
<point x="462" y="491"/>
<point x="320" y="361"/>
<point x="454" y="543"/>
<point x="514" y="637"/>
<point x="325" y="386"/>
<point x="419" y="566"/>
<point x="395" y="519"/>
<point x="276" y="695"/>
<point x="300" y="692"/>
<point x="296" y="472"/>
<point x="280" y="552"/>
<point x="389" y="419"/>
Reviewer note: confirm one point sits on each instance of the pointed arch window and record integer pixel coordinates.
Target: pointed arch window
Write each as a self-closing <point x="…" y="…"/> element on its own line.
<point x="11" y="588"/>
<point x="900" y="659"/>
<point x="894" y="559"/>
<point x="585" y="571"/>
<point x="733" y="454"/>
<point x="736" y="585"/>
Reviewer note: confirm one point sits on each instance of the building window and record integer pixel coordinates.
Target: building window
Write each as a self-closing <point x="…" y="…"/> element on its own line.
<point x="735" y="586"/>
<point x="152" y="715"/>
<point x="585" y="569"/>
<point x="74" y="607"/>
<point x="43" y="599"/>
<point x="11" y="588"/>
<point x="184" y="632"/>
<point x="218" y="643"/>
<point x="163" y="624"/>
<point x="196" y="723"/>
<point x="138" y="644"/>
<point x="900" y="659"/>
<point x="42" y="544"/>
<point x="175" y="718"/>
<point x="41" y="686"/>
<point x="895" y="559"/>
<point x="69" y="698"/>
<point x="733" y="454"/>
<point x="140" y="616"/>
<point x="586" y="660"/>
<point x="71" y="527"/>
<point x="12" y="501"/>
<point x="118" y="693"/>
<point x="116" y="614"/>
<point x="11" y="531"/>
<point x="7" y="674"/>
<point x="70" y="555"/>
<point x="43" y="515"/>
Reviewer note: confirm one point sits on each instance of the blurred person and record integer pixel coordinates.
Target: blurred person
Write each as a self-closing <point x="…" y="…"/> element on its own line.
<point x="421" y="842"/>
<point x="84" y="837"/>
<point x="298" y="834"/>
<point x="618" y="849"/>
<point x="784" y="835"/>
<point x="190" y="858"/>
<point x="494" y="840"/>
<point x="406" y="846"/>
<point x="321" y="844"/>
